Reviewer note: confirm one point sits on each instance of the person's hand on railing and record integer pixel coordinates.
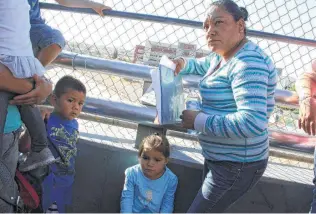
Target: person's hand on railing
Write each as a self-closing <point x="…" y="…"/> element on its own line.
<point x="179" y="65"/>
<point x="43" y="88"/>
<point x="98" y="7"/>
<point x="307" y="116"/>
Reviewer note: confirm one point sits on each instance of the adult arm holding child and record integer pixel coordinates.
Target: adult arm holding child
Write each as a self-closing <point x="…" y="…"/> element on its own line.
<point x="43" y="88"/>
<point x="9" y="83"/>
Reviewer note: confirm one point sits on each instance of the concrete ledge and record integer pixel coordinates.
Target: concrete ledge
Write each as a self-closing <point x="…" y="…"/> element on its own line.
<point x="100" y="177"/>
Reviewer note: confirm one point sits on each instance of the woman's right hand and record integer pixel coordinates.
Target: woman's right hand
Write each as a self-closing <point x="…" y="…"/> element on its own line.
<point x="179" y="65"/>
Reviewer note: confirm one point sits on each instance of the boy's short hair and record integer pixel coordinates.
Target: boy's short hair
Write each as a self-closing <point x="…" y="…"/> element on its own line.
<point x="157" y="142"/>
<point x="66" y="83"/>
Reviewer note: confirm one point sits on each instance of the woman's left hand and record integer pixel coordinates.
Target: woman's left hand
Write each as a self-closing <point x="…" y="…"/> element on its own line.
<point x="188" y="118"/>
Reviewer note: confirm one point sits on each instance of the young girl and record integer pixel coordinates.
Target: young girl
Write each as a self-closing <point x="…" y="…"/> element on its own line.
<point x="16" y="55"/>
<point x="150" y="186"/>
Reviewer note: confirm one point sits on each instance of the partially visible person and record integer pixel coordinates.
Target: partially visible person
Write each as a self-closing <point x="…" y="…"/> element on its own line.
<point x="150" y="186"/>
<point x="237" y="91"/>
<point x="306" y="90"/>
<point x="30" y="95"/>
<point x="9" y="148"/>
<point x="16" y="56"/>
<point x="48" y="42"/>
<point x="62" y="130"/>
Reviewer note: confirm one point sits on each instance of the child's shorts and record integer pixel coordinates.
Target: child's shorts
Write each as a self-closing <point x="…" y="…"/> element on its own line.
<point x="43" y="36"/>
<point x="22" y="66"/>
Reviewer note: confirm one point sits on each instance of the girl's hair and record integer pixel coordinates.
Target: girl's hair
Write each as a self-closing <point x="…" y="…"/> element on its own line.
<point x="157" y="142"/>
<point x="232" y="8"/>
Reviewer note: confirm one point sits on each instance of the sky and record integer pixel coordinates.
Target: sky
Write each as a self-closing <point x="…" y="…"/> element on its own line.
<point x="287" y="17"/>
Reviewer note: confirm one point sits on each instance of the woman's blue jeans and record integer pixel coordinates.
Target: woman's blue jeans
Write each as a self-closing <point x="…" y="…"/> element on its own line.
<point x="224" y="183"/>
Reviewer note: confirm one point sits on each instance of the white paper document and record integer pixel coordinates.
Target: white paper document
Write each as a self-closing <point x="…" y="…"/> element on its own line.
<point x="168" y="92"/>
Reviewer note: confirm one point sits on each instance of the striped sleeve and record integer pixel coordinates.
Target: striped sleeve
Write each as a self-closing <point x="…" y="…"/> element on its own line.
<point x="196" y="66"/>
<point x="249" y="85"/>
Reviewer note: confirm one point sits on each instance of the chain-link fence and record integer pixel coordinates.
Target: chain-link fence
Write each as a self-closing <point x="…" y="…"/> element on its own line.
<point x="144" y="42"/>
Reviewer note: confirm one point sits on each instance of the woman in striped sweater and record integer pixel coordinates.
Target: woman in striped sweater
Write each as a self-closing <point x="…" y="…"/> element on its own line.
<point x="237" y="91"/>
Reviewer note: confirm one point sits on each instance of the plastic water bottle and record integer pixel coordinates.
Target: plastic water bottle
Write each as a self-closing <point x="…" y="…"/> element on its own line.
<point x="193" y="103"/>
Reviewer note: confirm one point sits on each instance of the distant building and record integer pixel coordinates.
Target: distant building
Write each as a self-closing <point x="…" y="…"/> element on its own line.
<point x="154" y="51"/>
<point x="151" y="53"/>
<point x="186" y="50"/>
<point x="139" y="54"/>
<point x="201" y="53"/>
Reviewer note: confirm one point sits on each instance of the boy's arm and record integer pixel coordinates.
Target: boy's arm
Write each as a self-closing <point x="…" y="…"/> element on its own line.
<point x="127" y="198"/>
<point x="97" y="7"/>
<point x="168" y="199"/>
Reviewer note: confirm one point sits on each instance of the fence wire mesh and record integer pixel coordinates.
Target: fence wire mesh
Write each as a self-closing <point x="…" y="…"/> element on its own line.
<point x="135" y="41"/>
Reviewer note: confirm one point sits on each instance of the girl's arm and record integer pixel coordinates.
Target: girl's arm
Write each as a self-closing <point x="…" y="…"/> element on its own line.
<point x="97" y="7"/>
<point x="168" y="199"/>
<point x="127" y="197"/>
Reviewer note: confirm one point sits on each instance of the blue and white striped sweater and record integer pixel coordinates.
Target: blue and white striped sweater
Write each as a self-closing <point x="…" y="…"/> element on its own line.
<point x="237" y="100"/>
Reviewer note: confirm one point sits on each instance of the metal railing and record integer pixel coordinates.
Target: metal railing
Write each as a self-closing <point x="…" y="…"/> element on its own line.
<point x="179" y="22"/>
<point x="142" y="72"/>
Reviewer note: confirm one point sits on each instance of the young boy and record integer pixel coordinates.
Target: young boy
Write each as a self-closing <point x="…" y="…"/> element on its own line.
<point x="62" y="130"/>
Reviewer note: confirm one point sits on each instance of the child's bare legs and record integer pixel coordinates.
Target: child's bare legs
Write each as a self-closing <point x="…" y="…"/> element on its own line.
<point x="47" y="42"/>
<point x="41" y="154"/>
<point x="48" y="54"/>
